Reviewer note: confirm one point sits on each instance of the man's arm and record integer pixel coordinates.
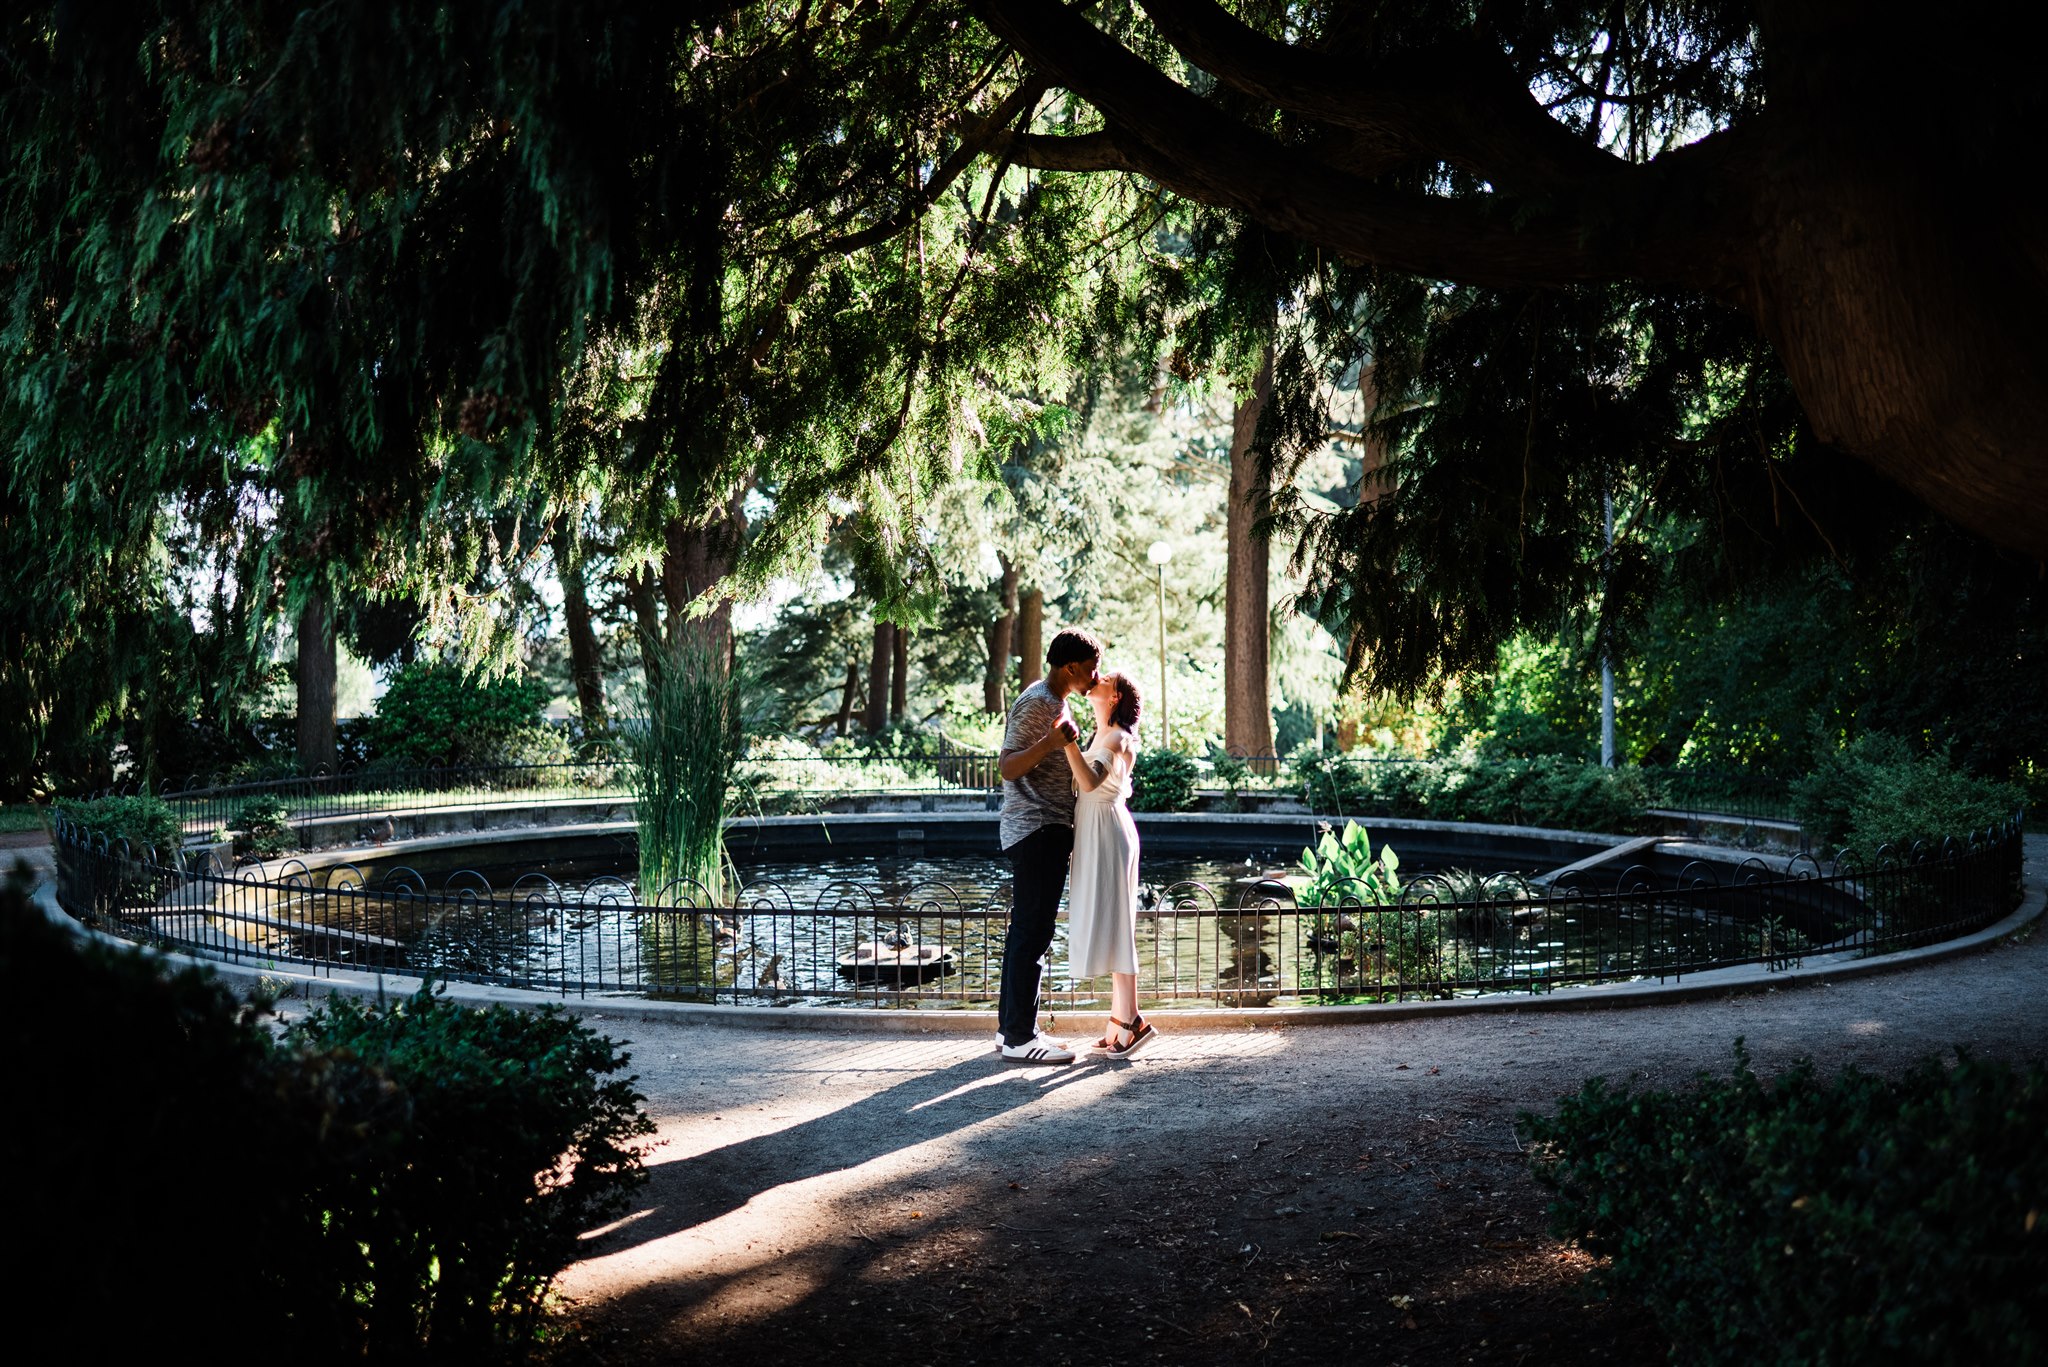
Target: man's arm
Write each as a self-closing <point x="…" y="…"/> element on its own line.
<point x="1014" y="764"/>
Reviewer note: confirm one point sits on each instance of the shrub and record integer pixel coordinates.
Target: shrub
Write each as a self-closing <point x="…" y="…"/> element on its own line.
<point x="486" y="1141"/>
<point x="381" y="1183"/>
<point x="1877" y="792"/>
<point x="132" y="1170"/>
<point x="1858" y="1220"/>
<point x="1549" y="790"/>
<point x="266" y="833"/>
<point x="144" y="822"/>
<point x="1163" y="781"/>
<point x="1332" y="782"/>
<point x="433" y="713"/>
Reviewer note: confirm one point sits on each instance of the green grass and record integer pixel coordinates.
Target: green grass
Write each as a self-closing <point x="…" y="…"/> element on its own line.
<point x="19" y="816"/>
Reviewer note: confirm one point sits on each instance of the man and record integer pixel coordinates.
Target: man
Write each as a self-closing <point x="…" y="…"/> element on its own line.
<point x="1037" y="833"/>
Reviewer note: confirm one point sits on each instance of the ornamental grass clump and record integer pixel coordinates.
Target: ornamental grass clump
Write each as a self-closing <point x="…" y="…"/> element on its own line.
<point x="680" y="757"/>
<point x="1812" y="1220"/>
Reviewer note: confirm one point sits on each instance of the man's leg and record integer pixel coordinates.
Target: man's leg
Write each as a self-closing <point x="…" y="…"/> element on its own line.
<point x="1040" y="862"/>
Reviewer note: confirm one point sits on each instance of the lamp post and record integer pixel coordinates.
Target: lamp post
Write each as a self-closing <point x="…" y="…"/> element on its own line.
<point x="1159" y="553"/>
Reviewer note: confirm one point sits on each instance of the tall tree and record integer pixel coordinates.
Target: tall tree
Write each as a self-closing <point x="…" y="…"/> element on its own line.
<point x="586" y="669"/>
<point x="994" y="699"/>
<point x="1247" y="616"/>
<point x="1030" y="636"/>
<point x="881" y="662"/>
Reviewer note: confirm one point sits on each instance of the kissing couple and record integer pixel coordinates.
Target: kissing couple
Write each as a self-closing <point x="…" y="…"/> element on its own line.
<point x="1065" y="805"/>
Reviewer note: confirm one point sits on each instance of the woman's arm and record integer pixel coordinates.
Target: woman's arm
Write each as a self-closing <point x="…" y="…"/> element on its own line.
<point x="1086" y="777"/>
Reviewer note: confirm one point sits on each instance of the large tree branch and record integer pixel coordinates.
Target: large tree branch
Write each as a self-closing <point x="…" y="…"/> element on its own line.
<point x="1459" y="101"/>
<point x="1660" y="223"/>
<point x="1103" y="151"/>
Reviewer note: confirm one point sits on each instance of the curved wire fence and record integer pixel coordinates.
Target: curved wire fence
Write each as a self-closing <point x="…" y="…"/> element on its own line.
<point x="1444" y="936"/>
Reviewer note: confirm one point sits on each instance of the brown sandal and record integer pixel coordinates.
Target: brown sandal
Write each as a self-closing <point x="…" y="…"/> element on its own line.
<point x="1141" y="1032"/>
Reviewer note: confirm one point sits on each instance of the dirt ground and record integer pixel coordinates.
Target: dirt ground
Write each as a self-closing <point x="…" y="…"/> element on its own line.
<point x="1304" y="1195"/>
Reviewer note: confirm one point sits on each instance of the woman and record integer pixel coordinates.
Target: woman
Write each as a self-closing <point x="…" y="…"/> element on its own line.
<point x="1102" y="897"/>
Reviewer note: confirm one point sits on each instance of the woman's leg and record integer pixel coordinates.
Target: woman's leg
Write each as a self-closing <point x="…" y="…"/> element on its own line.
<point x="1123" y="1004"/>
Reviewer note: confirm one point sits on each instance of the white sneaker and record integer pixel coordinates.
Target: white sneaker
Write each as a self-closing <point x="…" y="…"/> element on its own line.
<point x="1037" y="1049"/>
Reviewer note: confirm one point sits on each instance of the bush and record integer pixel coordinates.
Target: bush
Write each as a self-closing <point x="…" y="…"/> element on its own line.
<point x="1877" y="792"/>
<point x="486" y="1141"/>
<point x="1858" y="1220"/>
<point x="131" y="1170"/>
<point x="1163" y="781"/>
<point x="144" y="822"/>
<point x="432" y="713"/>
<point x="1546" y="791"/>
<point x="380" y="1184"/>
<point x="265" y="831"/>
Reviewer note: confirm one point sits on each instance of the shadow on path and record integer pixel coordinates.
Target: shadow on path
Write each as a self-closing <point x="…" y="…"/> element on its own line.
<point x="691" y="1191"/>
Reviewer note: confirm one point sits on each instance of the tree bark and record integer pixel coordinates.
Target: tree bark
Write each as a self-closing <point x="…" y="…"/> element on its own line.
<point x="880" y="659"/>
<point x="1247" y="619"/>
<point x="899" y="683"/>
<point x="1000" y="634"/>
<point x="697" y="559"/>
<point x="1030" y="638"/>
<point x="848" y="694"/>
<point x="643" y="591"/>
<point x="317" y="677"/>
<point x="585" y="666"/>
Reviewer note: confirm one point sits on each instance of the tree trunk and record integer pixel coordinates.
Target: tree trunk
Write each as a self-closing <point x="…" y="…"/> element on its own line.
<point x="1000" y="634"/>
<point x="1247" y="624"/>
<point x="1030" y="638"/>
<point x="847" y="697"/>
<point x="697" y="558"/>
<point x="899" y="685"/>
<point x="643" y="591"/>
<point x="585" y="667"/>
<point x="879" y="661"/>
<point x="1374" y="482"/>
<point x="317" y="675"/>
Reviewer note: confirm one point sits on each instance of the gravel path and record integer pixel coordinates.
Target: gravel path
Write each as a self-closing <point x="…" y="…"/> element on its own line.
<point x="1300" y="1195"/>
<point x="1309" y="1194"/>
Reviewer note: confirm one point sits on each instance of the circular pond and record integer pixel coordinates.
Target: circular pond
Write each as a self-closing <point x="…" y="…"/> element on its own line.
<point x="910" y="911"/>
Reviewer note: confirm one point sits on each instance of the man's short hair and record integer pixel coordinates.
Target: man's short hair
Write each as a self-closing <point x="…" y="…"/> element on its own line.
<point x="1072" y="646"/>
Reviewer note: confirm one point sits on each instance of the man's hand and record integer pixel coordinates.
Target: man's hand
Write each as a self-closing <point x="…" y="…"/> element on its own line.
<point x="1068" y="731"/>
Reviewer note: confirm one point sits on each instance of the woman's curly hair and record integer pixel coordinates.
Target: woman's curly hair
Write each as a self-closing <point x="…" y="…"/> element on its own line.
<point x="1128" y="704"/>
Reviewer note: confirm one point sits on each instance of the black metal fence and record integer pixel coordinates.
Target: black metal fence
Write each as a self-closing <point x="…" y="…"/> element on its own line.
<point x="1440" y="938"/>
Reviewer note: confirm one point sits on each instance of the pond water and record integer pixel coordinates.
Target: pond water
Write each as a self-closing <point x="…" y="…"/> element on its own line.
<point x="799" y="921"/>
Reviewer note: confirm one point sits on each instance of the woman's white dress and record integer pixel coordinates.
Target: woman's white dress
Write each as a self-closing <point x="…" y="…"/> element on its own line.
<point x="1102" y="892"/>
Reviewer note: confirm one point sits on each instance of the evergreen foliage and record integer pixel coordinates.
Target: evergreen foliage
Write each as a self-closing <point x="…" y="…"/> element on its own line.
<point x="145" y="822"/>
<point x="1876" y="794"/>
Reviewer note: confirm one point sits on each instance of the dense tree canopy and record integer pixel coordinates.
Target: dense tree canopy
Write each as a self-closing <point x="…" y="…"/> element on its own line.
<point x="1777" y="158"/>
<point x="372" y="304"/>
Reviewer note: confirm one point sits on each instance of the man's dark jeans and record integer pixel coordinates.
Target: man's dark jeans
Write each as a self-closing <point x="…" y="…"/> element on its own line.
<point x="1040" y="862"/>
